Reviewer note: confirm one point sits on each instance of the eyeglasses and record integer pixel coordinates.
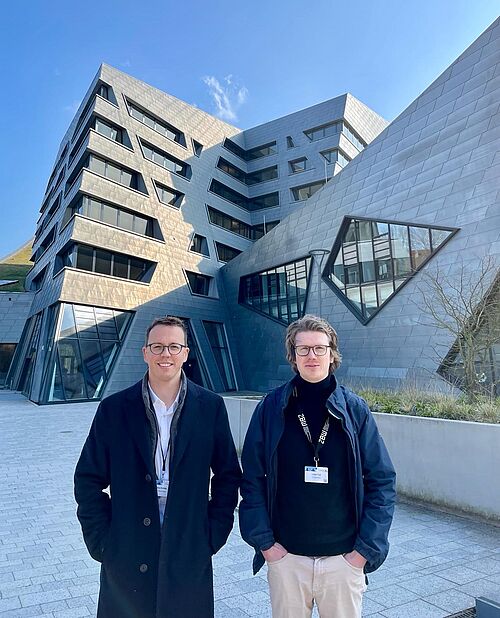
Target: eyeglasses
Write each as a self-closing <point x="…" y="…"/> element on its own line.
<point x="159" y="348"/>
<point x="319" y="350"/>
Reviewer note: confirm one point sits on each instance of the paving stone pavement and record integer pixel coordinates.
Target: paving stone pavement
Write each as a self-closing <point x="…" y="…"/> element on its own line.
<point x="437" y="565"/>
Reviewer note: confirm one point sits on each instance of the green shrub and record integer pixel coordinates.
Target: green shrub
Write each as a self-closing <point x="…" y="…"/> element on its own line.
<point x="417" y="403"/>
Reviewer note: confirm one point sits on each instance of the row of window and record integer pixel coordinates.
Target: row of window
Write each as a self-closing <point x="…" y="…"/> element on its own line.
<point x="251" y="232"/>
<point x="258" y="202"/>
<point x="334" y="128"/>
<point x="160" y="126"/>
<point x="253" y="153"/>
<point x="166" y="160"/>
<point x="104" y="262"/>
<point x="252" y="178"/>
<point x="112" y="215"/>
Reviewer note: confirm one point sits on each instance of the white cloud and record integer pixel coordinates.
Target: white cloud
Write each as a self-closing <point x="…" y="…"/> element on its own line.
<point x="228" y="96"/>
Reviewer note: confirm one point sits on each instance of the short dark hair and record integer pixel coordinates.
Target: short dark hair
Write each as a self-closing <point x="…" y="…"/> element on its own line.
<point x="167" y="320"/>
<point x="316" y="324"/>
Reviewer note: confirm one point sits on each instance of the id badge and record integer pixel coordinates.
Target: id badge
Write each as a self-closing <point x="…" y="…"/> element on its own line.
<point x="162" y="487"/>
<point x="315" y="474"/>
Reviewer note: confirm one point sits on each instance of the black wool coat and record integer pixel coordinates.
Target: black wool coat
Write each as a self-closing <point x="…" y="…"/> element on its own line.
<point x="148" y="572"/>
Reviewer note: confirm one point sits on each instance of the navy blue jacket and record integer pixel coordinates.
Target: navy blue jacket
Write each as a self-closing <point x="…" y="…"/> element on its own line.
<point x="373" y="477"/>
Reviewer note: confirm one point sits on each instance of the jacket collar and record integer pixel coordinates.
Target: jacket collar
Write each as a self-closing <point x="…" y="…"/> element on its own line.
<point x="336" y="398"/>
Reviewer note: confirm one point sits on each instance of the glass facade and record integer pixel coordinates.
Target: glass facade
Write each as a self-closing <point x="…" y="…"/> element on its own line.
<point x="86" y="343"/>
<point x="279" y="292"/>
<point x="218" y="342"/>
<point x="372" y="259"/>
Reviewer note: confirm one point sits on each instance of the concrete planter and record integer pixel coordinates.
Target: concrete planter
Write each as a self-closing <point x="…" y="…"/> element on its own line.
<point x="455" y="464"/>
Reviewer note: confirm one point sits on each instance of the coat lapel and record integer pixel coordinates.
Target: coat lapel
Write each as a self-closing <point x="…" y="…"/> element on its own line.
<point x="139" y="426"/>
<point x="189" y="417"/>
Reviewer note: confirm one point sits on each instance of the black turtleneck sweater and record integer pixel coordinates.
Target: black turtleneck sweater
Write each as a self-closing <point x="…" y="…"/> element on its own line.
<point x="314" y="519"/>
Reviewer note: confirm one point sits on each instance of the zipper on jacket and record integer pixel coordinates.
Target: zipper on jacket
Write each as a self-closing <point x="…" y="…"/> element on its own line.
<point x="351" y="442"/>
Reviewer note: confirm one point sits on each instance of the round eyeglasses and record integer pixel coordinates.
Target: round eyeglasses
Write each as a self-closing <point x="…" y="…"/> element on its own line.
<point x="159" y="348"/>
<point x="303" y="350"/>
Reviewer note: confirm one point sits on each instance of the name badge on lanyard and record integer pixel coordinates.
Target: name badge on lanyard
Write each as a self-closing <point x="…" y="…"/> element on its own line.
<point x="315" y="474"/>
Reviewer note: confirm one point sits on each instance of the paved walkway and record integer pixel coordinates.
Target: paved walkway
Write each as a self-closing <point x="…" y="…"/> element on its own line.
<point x="438" y="563"/>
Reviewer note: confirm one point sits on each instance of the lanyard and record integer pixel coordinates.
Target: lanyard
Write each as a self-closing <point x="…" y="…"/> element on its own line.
<point x="322" y="435"/>
<point x="164" y="456"/>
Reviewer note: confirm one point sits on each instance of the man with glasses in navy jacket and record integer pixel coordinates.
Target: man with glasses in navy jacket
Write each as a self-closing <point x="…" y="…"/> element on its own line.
<point x="318" y="487"/>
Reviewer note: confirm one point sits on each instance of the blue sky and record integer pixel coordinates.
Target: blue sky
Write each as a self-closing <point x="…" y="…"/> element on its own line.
<point x="248" y="62"/>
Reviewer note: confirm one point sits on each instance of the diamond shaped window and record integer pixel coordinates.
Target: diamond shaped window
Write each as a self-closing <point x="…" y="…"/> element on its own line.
<point x="371" y="260"/>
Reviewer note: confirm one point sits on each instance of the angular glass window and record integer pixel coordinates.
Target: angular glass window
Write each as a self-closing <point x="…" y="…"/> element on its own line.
<point x="279" y="292"/>
<point x="85" y="346"/>
<point x="306" y="191"/>
<point x="198" y="283"/>
<point x="218" y="342"/>
<point x="169" y="196"/>
<point x="298" y="165"/>
<point x="225" y="253"/>
<point x="371" y="260"/>
<point x="197" y="147"/>
<point x="199" y="244"/>
<point x="289" y="142"/>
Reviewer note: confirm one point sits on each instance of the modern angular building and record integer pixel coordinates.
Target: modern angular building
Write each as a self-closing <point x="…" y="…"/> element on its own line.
<point x="148" y="198"/>
<point x="155" y="207"/>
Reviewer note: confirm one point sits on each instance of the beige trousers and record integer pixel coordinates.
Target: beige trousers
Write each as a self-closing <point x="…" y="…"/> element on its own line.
<point x="296" y="582"/>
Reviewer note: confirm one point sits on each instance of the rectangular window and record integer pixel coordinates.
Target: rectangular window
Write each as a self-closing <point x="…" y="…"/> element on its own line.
<point x="327" y="130"/>
<point x="113" y="171"/>
<point x="256" y="203"/>
<point x="108" y="130"/>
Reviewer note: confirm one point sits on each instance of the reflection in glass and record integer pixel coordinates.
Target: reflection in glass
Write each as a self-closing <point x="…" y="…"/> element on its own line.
<point x="279" y="292"/>
<point x="87" y="342"/>
<point x="369" y="252"/>
<point x="218" y="342"/>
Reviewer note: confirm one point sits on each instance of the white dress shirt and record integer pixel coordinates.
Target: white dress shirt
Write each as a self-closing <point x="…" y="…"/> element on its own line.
<point x="164" y="417"/>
